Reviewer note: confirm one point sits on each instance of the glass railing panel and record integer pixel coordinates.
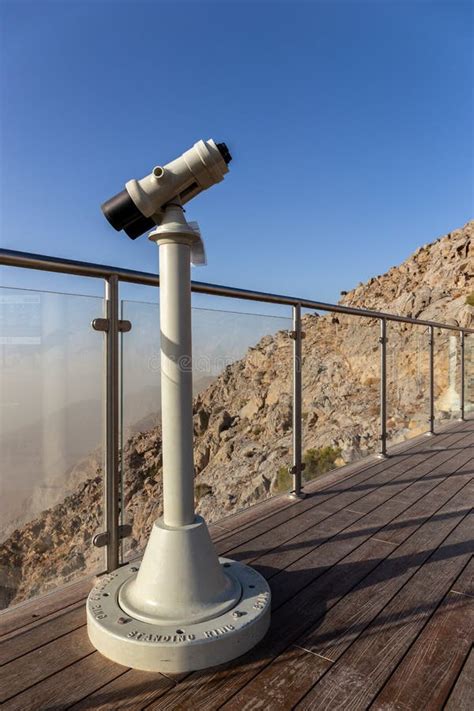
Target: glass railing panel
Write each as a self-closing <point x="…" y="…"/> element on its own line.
<point x="408" y="407"/>
<point x="140" y="424"/>
<point x="447" y="371"/>
<point x="51" y="433"/>
<point x="242" y="413"/>
<point x="341" y="383"/>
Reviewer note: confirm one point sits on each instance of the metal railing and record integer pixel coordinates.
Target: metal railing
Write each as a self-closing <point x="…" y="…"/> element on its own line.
<point x="112" y="326"/>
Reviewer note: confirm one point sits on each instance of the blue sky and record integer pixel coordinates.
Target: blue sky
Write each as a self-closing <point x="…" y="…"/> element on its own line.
<point x="350" y="124"/>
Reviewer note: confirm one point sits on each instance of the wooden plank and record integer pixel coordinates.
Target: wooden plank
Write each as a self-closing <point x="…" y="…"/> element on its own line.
<point x="464" y="427"/>
<point x="418" y="513"/>
<point x="464" y="585"/>
<point x="34" y="610"/>
<point x="316" y="524"/>
<point x="328" y="593"/>
<point x="338" y="497"/>
<point x="370" y="596"/>
<point x="216" y="530"/>
<point x="295" y="672"/>
<point x="242" y="519"/>
<point x="72" y="684"/>
<point x="395" y="513"/>
<point x="426" y="674"/>
<point x="40" y="663"/>
<point x="462" y="695"/>
<point x="422" y="441"/>
<point x="42" y="634"/>
<point x="286" y="531"/>
<point x="211" y="690"/>
<point x="450" y="458"/>
<point x="418" y="480"/>
<point x="41" y="621"/>
<point x="131" y="690"/>
<point x="359" y="674"/>
<point x="292" y="575"/>
<point x="303" y="547"/>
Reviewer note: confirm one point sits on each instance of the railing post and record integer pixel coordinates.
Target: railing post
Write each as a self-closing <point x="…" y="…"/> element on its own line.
<point x="432" y="412"/>
<point x="298" y="466"/>
<point x="383" y="387"/>
<point x="463" y="377"/>
<point x="111" y="326"/>
<point x="111" y="494"/>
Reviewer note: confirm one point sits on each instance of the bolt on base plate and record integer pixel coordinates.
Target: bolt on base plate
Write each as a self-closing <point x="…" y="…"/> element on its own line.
<point x="172" y="647"/>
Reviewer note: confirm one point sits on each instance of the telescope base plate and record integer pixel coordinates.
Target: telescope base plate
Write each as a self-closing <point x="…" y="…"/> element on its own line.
<point x="172" y="647"/>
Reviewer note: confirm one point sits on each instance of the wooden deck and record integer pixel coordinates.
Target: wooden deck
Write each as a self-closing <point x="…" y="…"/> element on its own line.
<point x="373" y="602"/>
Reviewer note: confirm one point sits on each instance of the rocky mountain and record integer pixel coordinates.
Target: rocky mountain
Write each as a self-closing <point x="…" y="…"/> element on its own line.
<point x="431" y="284"/>
<point x="242" y="420"/>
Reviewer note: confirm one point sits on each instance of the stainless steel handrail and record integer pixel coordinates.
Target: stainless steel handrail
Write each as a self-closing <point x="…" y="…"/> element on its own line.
<point x="41" y="262"/>
<point x="112" y="326"/>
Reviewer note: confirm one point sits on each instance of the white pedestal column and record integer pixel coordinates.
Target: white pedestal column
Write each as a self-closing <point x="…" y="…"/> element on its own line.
<point x="183" y="608"/>
<point x="176" y="381"/>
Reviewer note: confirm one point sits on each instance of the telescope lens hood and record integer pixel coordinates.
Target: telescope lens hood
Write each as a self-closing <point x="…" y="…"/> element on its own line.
<point x="123" y="214"/>
<point x="120" y="210"/>
<point x="224" y="151"/>
<point x="139" y="226"/>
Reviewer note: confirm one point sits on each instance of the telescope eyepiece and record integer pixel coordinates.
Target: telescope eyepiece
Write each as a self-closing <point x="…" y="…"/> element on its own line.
<point x="224" y="151"/>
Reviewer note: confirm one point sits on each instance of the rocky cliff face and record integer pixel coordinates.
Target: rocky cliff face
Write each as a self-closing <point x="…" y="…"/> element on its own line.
<point x="242" y="421"/>
<point x="431" y="284"/>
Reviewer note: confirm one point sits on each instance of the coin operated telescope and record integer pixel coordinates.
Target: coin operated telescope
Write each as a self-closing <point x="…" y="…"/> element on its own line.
<point x="183" y="608"/>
